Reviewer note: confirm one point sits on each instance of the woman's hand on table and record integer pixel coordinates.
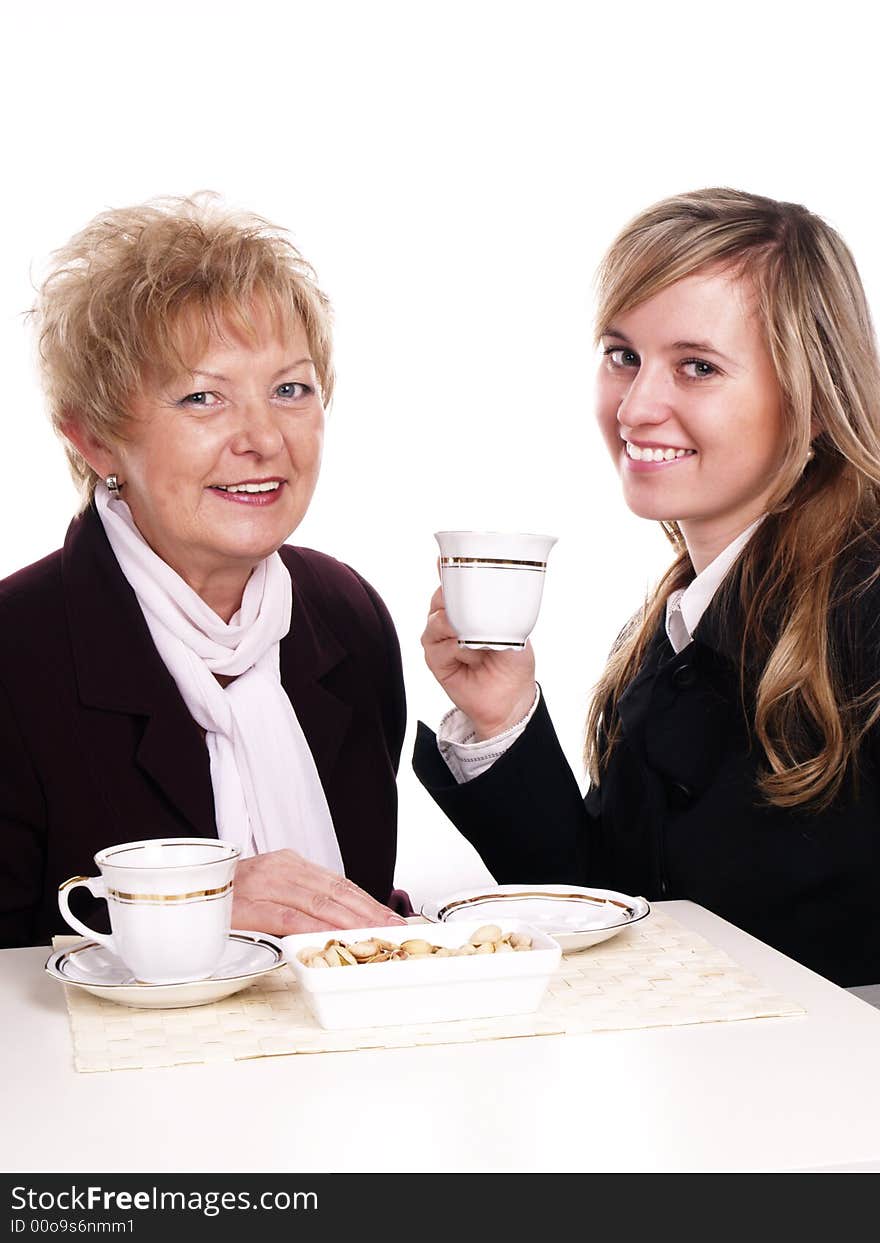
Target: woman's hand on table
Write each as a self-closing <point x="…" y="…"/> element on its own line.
<point x="495" y="689"/>
<point x="282" y="893"/>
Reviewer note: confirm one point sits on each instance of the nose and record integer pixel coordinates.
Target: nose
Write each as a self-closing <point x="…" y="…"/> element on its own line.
<point x="258" y="430"/>
<point x="646" y="402"/>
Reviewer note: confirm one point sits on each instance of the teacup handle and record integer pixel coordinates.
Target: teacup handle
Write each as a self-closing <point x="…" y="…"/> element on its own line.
<point x="95" y="886"/>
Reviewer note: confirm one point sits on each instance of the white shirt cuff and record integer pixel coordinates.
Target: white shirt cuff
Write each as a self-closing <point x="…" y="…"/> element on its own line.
<point x="466" y="758"/>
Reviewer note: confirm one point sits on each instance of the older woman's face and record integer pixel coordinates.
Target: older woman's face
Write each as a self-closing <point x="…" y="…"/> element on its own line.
<point x="219" y="465"/>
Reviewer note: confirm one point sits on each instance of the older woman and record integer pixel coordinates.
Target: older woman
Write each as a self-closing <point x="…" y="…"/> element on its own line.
<point x="176" y="669"/>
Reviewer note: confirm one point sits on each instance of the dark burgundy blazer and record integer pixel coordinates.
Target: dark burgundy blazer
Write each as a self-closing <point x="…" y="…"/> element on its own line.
<point x="98" y="747"/>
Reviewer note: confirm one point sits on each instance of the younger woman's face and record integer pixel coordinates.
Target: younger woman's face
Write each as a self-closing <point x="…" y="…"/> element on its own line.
<point x="691" y="410"/>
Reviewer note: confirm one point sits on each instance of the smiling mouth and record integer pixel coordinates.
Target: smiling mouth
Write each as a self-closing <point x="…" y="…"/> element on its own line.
<point x="268" y="485"/>
<point x="656" y="453"/>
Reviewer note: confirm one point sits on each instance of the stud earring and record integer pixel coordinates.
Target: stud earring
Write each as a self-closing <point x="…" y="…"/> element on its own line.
<point x="811" y="453"/>
<point x="113" y="487"/>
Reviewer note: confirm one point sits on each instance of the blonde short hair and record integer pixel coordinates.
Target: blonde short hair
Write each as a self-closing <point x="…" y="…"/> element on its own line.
<point x="112" y="308"/>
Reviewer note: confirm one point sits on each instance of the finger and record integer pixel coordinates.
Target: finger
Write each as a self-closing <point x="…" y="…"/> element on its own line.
<point x="321" y="894"/>
<point x="362" y="905"/>
<point x="255" y="915"/>
<point x="437" y="628"/>
<point x="454" y="660"/>
<point x="436" y="601"/>
<point x="281" y="920"/>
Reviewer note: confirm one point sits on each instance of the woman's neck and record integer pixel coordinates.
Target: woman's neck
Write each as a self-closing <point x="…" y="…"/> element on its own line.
<point x="705" y="543"/>
<point x="221" y="590"/>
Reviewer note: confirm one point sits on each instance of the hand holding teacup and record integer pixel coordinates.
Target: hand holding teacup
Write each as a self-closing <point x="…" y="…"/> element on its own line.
<point x="495" y="689"/>
<point x="476" y="639"/>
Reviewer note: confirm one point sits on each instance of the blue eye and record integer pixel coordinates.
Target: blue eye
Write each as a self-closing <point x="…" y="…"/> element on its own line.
<point x="702" y="369"/>
<point x="200" y="398"/>
<point x="293" y="388"/>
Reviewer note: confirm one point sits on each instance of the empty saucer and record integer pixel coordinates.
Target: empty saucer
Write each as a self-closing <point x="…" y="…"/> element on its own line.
<point x="248" y="955"/>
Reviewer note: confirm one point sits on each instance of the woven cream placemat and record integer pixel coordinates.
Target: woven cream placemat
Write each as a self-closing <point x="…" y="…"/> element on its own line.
<point x="656" y="974"/>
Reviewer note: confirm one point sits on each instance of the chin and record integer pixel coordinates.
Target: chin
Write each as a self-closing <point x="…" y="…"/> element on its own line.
<point x="651" y="513"/>
<point x="260" y="538"/>
<point x="251" y="550"/>
<point x="255" y="551"/>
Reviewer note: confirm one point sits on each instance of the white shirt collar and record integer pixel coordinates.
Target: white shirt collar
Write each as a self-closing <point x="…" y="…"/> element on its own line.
<point x="685" y="607"/>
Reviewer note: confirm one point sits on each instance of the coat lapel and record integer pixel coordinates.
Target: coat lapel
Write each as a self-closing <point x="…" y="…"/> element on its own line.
<point x="694" y="713"/>
<point x="635" y="702"/>
<point x="120" y="673"/>
<point x="680" y="727"/>
<point x="310" y="654"/>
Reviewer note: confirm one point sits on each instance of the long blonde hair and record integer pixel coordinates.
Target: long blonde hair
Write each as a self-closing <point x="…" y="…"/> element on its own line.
<point x="814" y="552"/>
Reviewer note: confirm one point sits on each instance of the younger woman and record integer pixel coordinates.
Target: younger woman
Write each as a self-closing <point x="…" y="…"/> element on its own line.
<point x="732" y="742"/>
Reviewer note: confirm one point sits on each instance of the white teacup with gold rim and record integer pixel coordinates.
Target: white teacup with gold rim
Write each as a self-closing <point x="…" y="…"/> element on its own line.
<point x="492" y="585"/>
<point x="170" y="905"/>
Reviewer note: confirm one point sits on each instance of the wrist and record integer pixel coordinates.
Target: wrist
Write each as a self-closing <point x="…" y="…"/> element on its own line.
<point x="491" y="727"/>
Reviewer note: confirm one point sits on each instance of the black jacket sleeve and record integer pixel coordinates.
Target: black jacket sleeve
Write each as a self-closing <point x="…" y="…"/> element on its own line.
<point x="524" y="815"/>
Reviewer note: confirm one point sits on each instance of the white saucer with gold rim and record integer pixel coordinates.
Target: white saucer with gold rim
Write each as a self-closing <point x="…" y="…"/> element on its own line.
<point x="574" y="916"/>
<point x="87" y="965"/>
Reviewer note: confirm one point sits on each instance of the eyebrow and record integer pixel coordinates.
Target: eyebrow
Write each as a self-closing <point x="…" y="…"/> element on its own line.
<point x="703" y="347"/>
<point x="214" y="375"/>
<point x="706" y="346"/>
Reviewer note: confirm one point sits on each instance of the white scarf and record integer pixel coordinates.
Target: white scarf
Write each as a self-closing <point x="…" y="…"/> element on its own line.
<point x="267" y="792"/>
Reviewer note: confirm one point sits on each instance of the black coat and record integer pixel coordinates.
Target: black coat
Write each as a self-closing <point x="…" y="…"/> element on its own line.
<point x="677" y="814"/>
<point x="98" y="747"/>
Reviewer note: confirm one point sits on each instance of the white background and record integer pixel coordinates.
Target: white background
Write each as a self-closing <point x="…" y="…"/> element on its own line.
<point x="454" y="172"/>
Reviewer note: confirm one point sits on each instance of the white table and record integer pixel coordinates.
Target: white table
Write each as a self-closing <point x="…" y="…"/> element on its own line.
<point x="799" y="1093"/>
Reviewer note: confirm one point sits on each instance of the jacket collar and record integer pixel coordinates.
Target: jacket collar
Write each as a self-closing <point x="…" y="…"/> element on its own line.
<point x="718" y="634"/>
<point x="677" y="711"/>
<point x="118" y="669"/>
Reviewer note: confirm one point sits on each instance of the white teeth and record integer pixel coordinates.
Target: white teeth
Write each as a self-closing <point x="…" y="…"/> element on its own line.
<point x="247" y="487"/>
<point x="646" y="454"/>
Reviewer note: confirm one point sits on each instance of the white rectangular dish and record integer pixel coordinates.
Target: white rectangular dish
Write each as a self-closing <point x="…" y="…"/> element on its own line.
<point x="424" y="990"/>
